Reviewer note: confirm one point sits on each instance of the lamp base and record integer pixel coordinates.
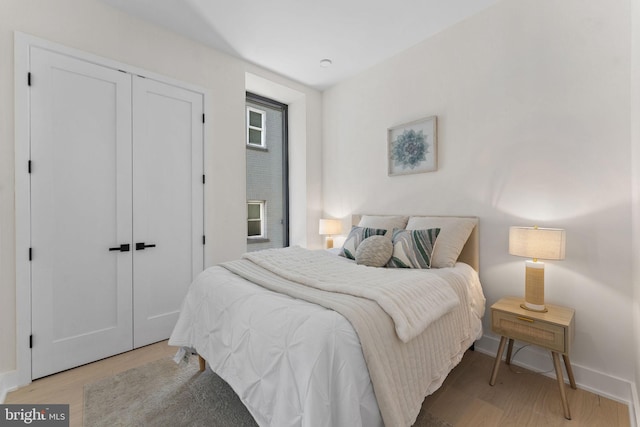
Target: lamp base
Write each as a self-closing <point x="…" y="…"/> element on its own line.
<point x="534" y="287"/>
<point x="328" y="243"/>
<point x="537" y="310"/>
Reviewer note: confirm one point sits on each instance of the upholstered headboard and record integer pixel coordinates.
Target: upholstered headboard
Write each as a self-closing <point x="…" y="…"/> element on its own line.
<point x="471" y="250"/>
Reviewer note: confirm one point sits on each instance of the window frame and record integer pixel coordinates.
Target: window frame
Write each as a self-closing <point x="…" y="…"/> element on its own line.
<point x="263" y="115"/>
<point x="262" y="219"/>
<point x="284" y="108"/>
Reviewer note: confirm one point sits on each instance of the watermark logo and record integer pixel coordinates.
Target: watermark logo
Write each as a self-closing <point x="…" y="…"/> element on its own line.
<point x="34" y="415"/>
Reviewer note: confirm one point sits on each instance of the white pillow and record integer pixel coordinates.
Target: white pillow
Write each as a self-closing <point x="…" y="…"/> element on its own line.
<point x="387" y="222"/>
<point x="454" y="233"/>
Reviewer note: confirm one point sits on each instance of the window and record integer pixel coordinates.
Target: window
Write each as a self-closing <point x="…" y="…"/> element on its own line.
<point x="256" y="127"/>
<point x="267" y="173"/>
<point x="255" y="219"/>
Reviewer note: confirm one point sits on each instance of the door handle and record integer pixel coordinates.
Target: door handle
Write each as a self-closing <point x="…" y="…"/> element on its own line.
<point x="122" y="248"/>
<point x="141" y="245"/>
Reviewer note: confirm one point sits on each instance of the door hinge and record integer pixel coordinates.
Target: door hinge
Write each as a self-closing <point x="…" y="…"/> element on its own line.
<point x="203" y="118"/>
<point x="31" y="341"/>
<point x="203" y="179"/>
<point x="29" y="79"/>
<point x="29" y="166"/>
<point x="204" y="240"/>
<point x="30" y="254"/>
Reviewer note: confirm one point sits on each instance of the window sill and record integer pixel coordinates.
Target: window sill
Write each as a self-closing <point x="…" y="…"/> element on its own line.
<point x="257" y="148"/>
<point x="257" y="240"/>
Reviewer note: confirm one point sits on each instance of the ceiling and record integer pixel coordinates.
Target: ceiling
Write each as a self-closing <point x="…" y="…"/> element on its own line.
<point x="291" y="37"/>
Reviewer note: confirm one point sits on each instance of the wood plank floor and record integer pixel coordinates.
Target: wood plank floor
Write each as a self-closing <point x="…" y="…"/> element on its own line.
<point x="68" y="386"/>
<point x="465" y="398"/>
<point x="519" y="398"/>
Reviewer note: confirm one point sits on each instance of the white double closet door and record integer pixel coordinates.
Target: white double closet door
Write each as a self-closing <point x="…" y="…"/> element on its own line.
<point x="116" y="208"/>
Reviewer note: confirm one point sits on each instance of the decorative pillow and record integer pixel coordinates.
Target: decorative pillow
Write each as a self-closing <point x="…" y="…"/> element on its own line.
<point x="357" y="236"/>
<point x="413" y="248"/>
<point x="387" y="222"/>
<point x="454" y="233"/>
<point x="374" y="251"/>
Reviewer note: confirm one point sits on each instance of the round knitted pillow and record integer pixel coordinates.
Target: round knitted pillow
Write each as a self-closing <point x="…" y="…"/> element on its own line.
<point x="374" y="251"/>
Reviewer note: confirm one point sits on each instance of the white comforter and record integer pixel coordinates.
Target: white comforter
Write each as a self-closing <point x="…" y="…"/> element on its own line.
<point x="296" y="363"/>
<point x="412" y="302"/>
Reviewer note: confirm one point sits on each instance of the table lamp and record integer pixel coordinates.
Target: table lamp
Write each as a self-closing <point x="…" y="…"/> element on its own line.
<point x="329" y="228"/>
<point x="536" y="243"/>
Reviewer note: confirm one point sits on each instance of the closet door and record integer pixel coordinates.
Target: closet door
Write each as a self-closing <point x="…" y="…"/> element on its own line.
<point x="80" y="212"/>
<point x="168" y="203"/>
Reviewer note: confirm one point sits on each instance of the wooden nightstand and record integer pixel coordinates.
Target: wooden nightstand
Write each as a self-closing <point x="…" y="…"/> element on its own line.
<point x="553" y="330"/>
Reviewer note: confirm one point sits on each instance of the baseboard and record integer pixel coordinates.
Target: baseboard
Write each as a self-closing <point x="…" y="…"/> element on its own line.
<point x="539" y="360"/>
<point x="3" y="390"/>
<point x="8" y="382"/>
<point x="4" y="386"/>
<point x="634" y="408"/>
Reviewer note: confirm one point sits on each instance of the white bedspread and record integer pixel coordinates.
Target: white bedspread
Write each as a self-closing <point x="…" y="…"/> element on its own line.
<point x="404" y="294"/>
<point x="296" y="363"/>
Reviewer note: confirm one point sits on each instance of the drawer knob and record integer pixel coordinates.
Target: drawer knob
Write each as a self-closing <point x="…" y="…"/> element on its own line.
<point x="526" y="319"/>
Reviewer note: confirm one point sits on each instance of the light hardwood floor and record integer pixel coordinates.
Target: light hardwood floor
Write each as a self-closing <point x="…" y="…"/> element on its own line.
<point x="68" y="386"/>
<point x="519" y="398"/>
<point x="465" y="398"/>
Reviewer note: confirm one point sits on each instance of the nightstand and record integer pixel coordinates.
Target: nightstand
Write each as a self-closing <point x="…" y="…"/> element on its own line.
<point x="553" y="330"/>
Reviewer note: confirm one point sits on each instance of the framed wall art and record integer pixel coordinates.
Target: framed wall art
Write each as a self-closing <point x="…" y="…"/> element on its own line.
<point x="413" y="147"/>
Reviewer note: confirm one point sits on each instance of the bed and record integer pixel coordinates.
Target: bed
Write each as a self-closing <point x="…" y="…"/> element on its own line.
<point x="310" y="338"/>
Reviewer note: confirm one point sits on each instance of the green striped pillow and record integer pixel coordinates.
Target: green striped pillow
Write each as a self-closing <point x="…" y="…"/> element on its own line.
<point x="413" y="248"/>
<point x="355" y="237"/>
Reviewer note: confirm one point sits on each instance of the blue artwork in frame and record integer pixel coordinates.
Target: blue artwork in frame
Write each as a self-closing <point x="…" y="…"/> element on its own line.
<point x="413" y="147"/>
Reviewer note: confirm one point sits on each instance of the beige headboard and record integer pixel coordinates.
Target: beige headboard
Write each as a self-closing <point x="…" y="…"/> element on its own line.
<point x="470" y="252"/>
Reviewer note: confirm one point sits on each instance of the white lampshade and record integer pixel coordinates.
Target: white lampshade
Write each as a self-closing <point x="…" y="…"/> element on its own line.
<point x="330" y="227"/>
<point x="537" y="243"/>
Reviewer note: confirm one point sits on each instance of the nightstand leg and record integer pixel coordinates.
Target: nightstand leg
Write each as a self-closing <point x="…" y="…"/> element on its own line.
<point x="496" y="364"/>
<point x="563" y="394"/>
<point x="567" y="364"/>
<point x="509" y="351"/>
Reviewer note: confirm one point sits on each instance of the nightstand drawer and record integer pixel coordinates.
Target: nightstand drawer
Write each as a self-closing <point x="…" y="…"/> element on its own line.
<point x="530" y="330"/>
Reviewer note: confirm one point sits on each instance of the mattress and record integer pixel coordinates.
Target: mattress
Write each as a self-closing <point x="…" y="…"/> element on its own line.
<point x="295" y="363"/>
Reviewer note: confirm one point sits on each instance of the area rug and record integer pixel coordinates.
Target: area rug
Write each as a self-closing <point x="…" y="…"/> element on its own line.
<point x="162" y="393"/>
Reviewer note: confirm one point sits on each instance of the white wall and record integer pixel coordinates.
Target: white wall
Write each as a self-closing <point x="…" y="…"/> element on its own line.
<point x="532" y="99"/>
<point x="93" y="27"/>
<point x="635" y="155"/>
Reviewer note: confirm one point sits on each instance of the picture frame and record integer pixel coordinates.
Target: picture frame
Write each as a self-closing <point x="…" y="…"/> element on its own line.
<point x="413" y="147"/>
